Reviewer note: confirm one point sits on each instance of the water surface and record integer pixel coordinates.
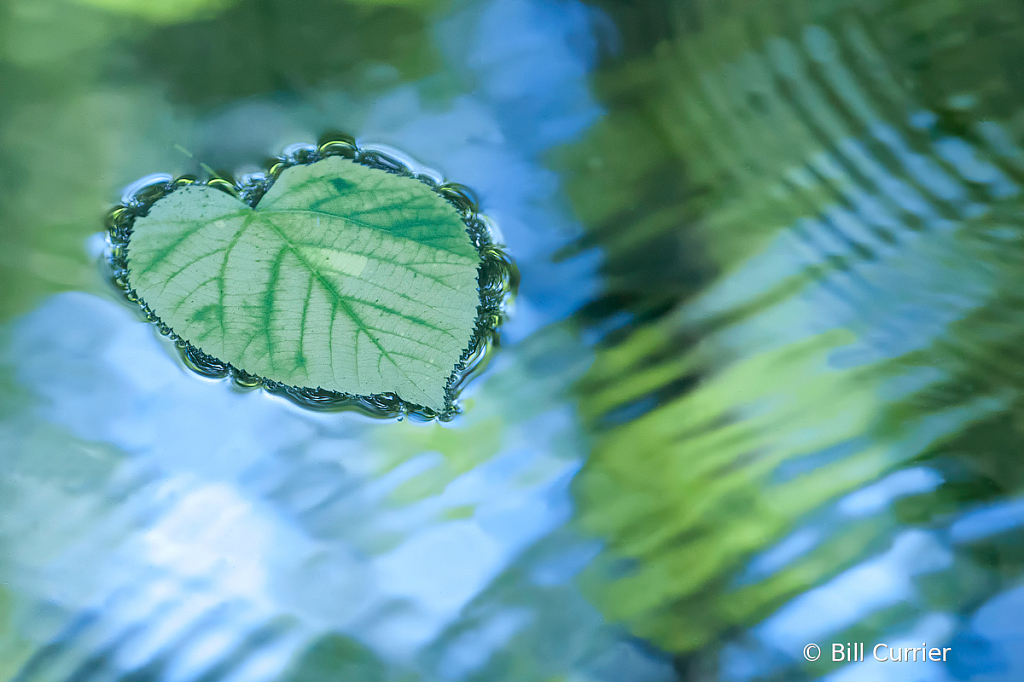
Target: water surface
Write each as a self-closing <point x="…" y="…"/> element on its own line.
<point x="760" y="386"/>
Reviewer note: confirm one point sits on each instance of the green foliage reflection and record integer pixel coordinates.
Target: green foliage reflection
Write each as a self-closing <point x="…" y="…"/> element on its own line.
<point x="840" y="184"/>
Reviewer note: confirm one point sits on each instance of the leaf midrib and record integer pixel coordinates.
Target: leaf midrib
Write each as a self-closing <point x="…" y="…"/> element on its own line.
<point x="342" y="301"/>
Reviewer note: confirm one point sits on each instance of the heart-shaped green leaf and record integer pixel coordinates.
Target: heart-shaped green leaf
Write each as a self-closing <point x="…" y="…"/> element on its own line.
<point x="344" y="277"/>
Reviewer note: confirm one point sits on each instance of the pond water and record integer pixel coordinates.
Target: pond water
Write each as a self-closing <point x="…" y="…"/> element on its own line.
<point x="760" y="387"/>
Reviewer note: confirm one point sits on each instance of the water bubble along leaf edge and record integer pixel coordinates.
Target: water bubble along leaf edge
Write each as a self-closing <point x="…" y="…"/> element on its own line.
<point x="340" y="279"/>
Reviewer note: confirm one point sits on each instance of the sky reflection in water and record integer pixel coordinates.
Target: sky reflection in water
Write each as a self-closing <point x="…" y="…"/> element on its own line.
<point x="156" y="524"/>
<point x="174" y="518"/>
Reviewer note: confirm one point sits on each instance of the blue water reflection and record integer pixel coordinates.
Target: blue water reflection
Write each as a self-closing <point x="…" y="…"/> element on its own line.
<point x="155" y="525"/>
<point x="182" y="529"/>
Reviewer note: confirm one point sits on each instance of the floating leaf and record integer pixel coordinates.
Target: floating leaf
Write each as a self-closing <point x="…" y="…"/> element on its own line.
<point x="345" y="278"/>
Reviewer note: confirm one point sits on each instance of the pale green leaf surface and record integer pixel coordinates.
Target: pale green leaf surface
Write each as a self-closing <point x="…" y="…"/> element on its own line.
<point x="343" y="277"/>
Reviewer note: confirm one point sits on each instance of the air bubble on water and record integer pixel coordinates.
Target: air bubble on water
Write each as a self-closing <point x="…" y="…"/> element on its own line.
<point x="402" y="159"/>
<point x="130" y="192"/>
<point x="298" y="149"/>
